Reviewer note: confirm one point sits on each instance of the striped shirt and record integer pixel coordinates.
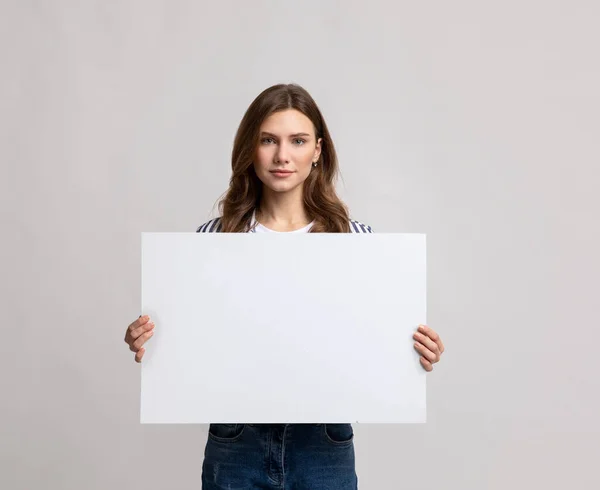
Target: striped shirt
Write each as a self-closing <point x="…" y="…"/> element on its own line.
<point x="214" y="226"/>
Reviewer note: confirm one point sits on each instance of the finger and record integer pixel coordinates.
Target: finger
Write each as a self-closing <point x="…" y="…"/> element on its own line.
<point x="425" y="352"/>
<point x="138" y="323"/>
<point x="140" y="330"/>
<point x="427" y="342"/>
<point x="426" y="364"/>
<point x="432" y="334"/>
<point x="139" y="354"/>
<point x="142" y="340"/>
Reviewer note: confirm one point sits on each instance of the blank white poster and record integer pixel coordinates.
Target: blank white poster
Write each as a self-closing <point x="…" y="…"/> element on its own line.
<point x="283" y="328"/>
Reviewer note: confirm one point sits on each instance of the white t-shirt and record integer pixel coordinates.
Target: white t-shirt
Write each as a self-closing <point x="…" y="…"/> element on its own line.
<point x="263" y="229"/>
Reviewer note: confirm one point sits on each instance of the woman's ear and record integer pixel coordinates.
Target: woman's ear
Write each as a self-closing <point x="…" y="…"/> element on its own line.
<point x="317" y="150"/>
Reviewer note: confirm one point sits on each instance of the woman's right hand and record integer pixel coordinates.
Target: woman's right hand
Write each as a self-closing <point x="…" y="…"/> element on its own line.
<point x="137" y="334"/>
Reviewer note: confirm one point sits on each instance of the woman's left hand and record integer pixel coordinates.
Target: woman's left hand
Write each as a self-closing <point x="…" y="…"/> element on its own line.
<point x="429" y="345"/>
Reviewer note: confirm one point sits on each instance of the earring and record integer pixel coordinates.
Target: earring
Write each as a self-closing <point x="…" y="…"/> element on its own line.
<point x="315" y="164"/>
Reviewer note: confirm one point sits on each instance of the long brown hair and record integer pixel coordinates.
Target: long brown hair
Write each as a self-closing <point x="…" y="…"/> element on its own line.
<point x="321" y="202"/>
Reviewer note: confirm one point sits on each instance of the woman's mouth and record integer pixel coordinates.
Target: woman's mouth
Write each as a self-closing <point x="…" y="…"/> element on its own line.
<point x="281" y="173"/>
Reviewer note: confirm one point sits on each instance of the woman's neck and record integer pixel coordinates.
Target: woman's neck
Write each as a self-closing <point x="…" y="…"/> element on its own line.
<point x="282" y="211"/>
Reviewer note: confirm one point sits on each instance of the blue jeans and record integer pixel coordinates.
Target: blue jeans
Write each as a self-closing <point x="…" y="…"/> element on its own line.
<point x="279" y="457"/>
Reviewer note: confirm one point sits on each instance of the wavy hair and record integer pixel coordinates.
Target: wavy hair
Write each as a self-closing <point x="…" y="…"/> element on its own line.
<point x="321" y="201"/>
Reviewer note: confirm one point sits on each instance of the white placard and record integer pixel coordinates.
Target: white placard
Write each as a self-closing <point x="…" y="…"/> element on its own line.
<point x="283" y="328"/>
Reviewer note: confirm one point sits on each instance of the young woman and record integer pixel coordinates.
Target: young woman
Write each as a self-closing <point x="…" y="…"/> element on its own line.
<point x="284" y="170"/>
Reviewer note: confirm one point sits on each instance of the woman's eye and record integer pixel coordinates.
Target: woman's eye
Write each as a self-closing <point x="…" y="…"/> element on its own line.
<point x="298" y="141"/>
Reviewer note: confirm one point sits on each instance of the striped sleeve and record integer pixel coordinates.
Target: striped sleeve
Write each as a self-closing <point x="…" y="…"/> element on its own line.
<point x="358" y="227"/>
<point x="212" y="226"/>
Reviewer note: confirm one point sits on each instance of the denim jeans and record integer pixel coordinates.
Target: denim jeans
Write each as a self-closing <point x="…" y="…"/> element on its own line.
<point x="279" y="457"/>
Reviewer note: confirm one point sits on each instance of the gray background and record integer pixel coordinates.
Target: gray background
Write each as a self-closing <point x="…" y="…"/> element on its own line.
<point x="474" y="122"/>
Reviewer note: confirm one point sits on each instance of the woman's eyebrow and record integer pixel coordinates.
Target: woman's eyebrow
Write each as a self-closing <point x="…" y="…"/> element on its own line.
<point x="295" y="135"/>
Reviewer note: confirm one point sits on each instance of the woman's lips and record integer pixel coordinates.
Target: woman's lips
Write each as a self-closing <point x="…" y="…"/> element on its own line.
<point x="281" y="173"/>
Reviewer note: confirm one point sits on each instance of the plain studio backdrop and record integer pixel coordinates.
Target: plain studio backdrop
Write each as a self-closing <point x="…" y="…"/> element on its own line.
<point x="474" y="122"/>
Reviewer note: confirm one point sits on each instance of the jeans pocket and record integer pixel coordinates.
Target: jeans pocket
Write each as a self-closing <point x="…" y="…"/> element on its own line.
<point x="339" y="434"/>
<point x="226" y="432"/>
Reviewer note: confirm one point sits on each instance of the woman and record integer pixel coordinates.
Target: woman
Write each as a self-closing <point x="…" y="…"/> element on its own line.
<point x="284" y="168"/>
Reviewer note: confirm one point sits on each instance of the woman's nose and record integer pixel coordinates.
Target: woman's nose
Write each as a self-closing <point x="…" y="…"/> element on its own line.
<point x="282" y="154"/>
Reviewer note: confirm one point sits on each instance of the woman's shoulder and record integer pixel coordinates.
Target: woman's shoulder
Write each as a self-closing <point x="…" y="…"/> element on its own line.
<point x="211" y="226"/>
<point x="358" y="227"/>
<point x="214" y="226"/>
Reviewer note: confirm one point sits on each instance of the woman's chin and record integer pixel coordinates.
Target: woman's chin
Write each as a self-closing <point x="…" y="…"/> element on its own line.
<point x="280" y="187"/>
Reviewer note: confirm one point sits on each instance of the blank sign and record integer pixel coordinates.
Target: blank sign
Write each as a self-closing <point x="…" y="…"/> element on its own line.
<point x="283" y="328"/>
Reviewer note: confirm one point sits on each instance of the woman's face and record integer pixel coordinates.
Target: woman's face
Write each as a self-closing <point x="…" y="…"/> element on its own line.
<point x="287" y="147"/>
